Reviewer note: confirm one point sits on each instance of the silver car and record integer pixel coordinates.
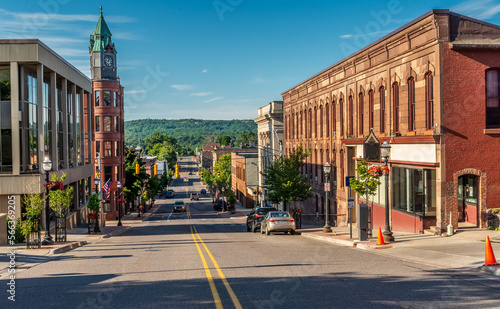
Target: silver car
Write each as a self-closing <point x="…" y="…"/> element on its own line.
<point x="278" y="221"/>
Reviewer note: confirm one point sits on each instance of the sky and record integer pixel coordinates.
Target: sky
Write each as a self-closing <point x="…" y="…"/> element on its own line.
<point x="217" y="59"/>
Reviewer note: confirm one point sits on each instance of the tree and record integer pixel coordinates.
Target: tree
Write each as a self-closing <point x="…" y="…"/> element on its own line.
<point x="94" y="205"/>
<point x="133" y="182"/>
<point x="59" y="197"/>
<point x="224" y="139"/>
<point x="368" y="178"/>
<point x="224" y="166"/>
<point x="33" y="205"/>
<point x="285" y="181"/>
<point x="208" y="178"/>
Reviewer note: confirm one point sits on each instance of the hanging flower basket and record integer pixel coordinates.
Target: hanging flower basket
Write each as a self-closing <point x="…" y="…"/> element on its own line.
<point x="54" y="185"/>
<point x="93" y="215"/>
<point x="378" y="170"/>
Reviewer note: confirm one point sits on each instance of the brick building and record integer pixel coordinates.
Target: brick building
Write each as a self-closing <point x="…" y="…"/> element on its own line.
<point x="244" y="179"/>
<point x="431" y="90"/>
<point x="108" y="113"/>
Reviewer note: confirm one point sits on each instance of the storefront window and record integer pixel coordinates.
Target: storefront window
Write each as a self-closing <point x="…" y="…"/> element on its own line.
<point x="414" y="191"/>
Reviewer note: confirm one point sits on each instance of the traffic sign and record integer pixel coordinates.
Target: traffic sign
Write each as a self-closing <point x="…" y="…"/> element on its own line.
<point x="186" y="179"/>
<point x="327" y="186"/>
<point x="350" y="202"/>
<point x="348" y="180"/>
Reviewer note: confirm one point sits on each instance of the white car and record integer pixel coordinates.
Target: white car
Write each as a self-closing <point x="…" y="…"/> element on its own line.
<point x="278" y="221"/>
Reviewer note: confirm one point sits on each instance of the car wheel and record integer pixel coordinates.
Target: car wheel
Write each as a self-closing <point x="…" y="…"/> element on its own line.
<point x="248" y="227"/>
<point x="267" y="231"/>
<point x="292" y="232"/>
<point x="262" y="231"/>
<point x="254" y="228"/>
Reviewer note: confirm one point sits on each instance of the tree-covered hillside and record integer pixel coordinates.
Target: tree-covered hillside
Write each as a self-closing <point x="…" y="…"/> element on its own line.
<point x="189" y="133"/>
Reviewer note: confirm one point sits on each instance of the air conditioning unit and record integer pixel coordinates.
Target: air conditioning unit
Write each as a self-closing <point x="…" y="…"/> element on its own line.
<point x="334" y="134"/>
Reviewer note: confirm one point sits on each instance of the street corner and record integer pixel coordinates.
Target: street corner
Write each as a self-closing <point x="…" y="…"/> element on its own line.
<point x="63" y="247"/>
<point x="110" y="231"/>
<point x="490" y="269"/>
<point x="371" y="245"/>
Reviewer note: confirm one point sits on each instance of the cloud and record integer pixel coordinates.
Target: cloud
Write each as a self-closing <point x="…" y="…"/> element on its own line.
<point x="134" y="91"/>
<point x="182" y="87"/>
<point x="45" y="17"/>
<point x="346" y="36"/>
<point x="213" y="99"/>
<point x="480" y="9"/>
<point x="200" y="94"/>
<point x="204" y="71"/>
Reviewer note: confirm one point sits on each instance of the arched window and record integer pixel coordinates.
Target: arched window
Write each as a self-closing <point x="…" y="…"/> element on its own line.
<point x="327" y="121"/>
<point x="321" y="121"/>
<point x="429" y="101"/>
<point x="305" y="123"/>
<point x="301" y="125"/>
<point x="310" y="123"/>
<point x="411" y="104"/>
<point x="395" y="100"/>
<point x="370" y="109"/>
<point x="293" y="126"/>
<point x="351" y="117"/>
<point x="361" y="111"/>
<point x="315" y="122"/>
<point x="382" y="109"/>
<point x="341" y="117"/>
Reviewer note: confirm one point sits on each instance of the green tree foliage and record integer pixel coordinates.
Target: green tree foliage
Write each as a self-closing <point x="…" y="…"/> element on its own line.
<point x="224" y="139"/>
<point x="366" y="182"/>
<point x="153" y="187"/>
<point x="60" y="200"/>
<point x="94" y="204"/>
<point x="224" y="166"/>
<point x="189" y="133"/>
<point x="133" y="182"/>
<point x="285" y="181"/>
<point x="33" y="205"/>
<point x="208" y="179"/>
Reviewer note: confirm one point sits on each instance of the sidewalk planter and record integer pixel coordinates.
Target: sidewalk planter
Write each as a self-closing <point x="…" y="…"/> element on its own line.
<point x="33" y="239"/>
<point x="297" y="216"/>
<point x="61" y="228"/>
<point x="93" y="223"/>
<point x="493" y="218"/>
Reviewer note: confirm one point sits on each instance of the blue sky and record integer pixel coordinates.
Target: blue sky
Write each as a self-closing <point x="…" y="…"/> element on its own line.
<point x="217" y="59"/>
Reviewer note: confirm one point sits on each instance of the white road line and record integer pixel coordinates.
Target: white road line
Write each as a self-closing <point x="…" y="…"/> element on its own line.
<point x="168" y="219"/>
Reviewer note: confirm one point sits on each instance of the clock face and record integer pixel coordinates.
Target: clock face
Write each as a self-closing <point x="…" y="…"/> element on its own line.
<point x="108" y="61"/>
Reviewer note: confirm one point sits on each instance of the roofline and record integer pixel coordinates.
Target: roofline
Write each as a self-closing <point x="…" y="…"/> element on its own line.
<point x="37" y="41"/>
<point x="431" y="12"/>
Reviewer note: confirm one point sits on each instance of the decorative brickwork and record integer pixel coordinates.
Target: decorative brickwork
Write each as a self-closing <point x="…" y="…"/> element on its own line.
<point x="452" y="201"/>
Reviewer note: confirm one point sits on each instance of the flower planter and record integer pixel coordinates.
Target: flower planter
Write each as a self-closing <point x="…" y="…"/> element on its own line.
<point x="93" y="223"/>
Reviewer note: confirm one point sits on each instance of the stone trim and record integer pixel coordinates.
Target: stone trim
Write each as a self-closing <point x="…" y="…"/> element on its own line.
<point x="453" y="200"/>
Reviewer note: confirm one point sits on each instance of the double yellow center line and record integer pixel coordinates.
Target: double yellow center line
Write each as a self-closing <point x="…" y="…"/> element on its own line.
<point x="215" y="294"/>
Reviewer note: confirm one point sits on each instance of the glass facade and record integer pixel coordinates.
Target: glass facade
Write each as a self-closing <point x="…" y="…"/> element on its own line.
<point x="71" y="132"/>
<point x="47" y="123"/>
<point x="29" y="126"/>
<point x="60" y="129"/>
<point x="5" y="121"/>
<point x="414" y="190"/>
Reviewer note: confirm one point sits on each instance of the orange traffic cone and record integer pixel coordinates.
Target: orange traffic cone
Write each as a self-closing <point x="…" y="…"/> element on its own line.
<point x="380" y="239"/>
<point x="489" y="256"/>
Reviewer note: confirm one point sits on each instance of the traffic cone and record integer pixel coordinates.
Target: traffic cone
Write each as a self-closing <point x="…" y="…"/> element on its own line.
<point x="380" y="239"/>
<point x="489" y="256"/>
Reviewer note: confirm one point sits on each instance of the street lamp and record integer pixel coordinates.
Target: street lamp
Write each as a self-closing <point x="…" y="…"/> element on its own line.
<point x="138" y="150"/>
<point x="385" y="152"/>
<point x="47" y="166"/>
<point x="119" y="185"/>
<point x="327" y="168"/>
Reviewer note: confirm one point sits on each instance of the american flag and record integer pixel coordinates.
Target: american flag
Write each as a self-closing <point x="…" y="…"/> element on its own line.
<point x="106" y="189"/>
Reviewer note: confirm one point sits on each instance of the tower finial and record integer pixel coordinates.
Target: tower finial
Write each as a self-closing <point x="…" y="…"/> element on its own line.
<point x="101" y="9"/>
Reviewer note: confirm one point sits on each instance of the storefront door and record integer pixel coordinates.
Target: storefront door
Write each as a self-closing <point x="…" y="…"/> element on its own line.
<point x="467" y="199"/>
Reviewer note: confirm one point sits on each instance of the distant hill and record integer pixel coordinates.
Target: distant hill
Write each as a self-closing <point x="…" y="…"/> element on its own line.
<point x="190" y="133"/>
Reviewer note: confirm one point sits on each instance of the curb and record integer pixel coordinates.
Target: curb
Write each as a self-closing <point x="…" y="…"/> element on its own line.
<point x="347" y="243"/>
<point x="67" y="247"/>
<point x="494" y="270"/>
<point x="116" y="232"/>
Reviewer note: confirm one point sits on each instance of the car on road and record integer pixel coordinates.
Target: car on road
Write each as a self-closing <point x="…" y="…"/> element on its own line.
<point x="195" y="196"/>
<point x="170" y="194"/>
<point x="179" y="206"/>
<point x="256" y="216"/>
<point x="278" y="221"/>
<point x="203" y="191"/>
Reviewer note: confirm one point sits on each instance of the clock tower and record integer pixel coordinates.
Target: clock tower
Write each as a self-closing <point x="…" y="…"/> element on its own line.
<point x="102" y="52"/>
<point x="107" y="116"/>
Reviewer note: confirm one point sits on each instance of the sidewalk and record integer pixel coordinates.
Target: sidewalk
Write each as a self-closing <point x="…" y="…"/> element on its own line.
<point x="464" y="250"/>
<point x="76" y="237"/>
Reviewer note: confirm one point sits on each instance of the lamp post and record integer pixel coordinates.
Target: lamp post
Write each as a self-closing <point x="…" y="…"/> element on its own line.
<point x="119" y="185"/>
<point x="327" y="168"/>
<point x="96" y="183"/>
<point x="385" y="152"/>
<point x="47" y="239"/>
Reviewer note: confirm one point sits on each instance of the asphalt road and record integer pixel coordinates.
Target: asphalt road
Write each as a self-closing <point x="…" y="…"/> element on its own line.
<point x="203" y="259"/>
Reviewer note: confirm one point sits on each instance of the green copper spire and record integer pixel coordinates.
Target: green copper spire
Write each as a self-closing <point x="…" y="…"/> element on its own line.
<point x="100" y="39"/>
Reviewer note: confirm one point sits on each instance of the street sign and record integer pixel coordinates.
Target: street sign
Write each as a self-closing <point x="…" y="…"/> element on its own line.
<point x="348" y="181"/>
<point x="327" y="186"/>
<point x="350" y="202"/>
<point x="186" y="179"/>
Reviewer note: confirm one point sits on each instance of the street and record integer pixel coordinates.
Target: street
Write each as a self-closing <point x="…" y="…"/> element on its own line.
<point x="203" y="259"/>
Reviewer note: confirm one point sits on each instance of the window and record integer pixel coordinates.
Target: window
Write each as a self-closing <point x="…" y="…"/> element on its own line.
<point x="107" y="123"/>
<point x="116" y="124"/>
<point x="107" y="98"/>
<point x="341" y="168"/>
<point x="370" y="109"/>
<point x="293" y="126"/>
<point x="315" y="122"/>
<point x="411" y="104"/>
<point x="414" y="190"/>
<point x="361" y="111"/>
<point x="107" y="149"/>
<point x="327" y="116"/>
<point x="321" y="121"/>
<point x="301" y="125"/>
<point x="305" y="124"/>
<point x="351" y="116"/>
<point x="117" y="151"/>
<point x="115" y="99"/>
<point x="382" y="109"/>
<point x="97" y="146"/>
<point x="97" y="98"/>
<point x="309" y="129"/>
<point x="341" y="117"/>
<point x="395" y="100"/>
<point x="334" y="117"/>
<point x="97" y="123"/>
<point x="493" y="98"/>
<point x="429" y="102"/>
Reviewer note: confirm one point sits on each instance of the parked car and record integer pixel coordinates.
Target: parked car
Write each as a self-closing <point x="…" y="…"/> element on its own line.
<point x="195" y="196"/>
<point x="278" y="221"/>
<point x="218" y="205"/>
<point x="256" y="216"/>
<point x="203" y="191"/>
<point x="170" y="194"/>
<point x="179" y="205"/>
